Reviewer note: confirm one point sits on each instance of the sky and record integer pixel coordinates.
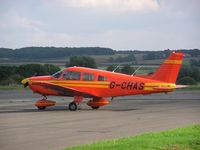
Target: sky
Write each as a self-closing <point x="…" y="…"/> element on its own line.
<point x="116" y="24"/>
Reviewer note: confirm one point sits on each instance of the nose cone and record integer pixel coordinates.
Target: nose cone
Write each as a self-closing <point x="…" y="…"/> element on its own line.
<point x="25" y="82"/>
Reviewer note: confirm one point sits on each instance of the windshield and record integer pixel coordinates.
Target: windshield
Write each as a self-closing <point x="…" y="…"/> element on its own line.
<point x="57" y="74"/>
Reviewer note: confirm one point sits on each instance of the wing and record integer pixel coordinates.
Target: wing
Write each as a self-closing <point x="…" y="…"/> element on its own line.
<point x="63" y="91"/>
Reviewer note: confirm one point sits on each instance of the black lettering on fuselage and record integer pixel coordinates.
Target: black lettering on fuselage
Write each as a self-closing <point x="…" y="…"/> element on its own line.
<point x="141" y="86"/>
<point x="135" y="86"/>
<point x="129" y="86"/>
<point x="112" y="84"/>
<point x="123" y="85"/>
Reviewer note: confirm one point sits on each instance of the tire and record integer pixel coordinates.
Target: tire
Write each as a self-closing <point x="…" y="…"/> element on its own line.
<point x="72" y="106"/>
<point x="41" y="107"/>
<point x="97" y="107"/>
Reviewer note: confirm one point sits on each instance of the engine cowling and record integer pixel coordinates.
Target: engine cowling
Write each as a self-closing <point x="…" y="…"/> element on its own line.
<point x="98" y="102"/>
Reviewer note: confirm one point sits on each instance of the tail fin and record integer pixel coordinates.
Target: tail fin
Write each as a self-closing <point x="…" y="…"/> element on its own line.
<point x="169" y="70"/>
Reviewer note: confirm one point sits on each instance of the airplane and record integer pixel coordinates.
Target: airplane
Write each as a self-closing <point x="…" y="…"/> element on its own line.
<point x="81" y="82"/>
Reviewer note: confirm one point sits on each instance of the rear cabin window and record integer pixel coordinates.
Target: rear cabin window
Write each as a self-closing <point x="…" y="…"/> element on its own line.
<point x="72" y="75"/>
<point x="102" y="78"/>
<point x="88" y="77"/>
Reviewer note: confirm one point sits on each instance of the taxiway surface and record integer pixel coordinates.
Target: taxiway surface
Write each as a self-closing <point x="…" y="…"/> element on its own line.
<point x="23" y="127"/>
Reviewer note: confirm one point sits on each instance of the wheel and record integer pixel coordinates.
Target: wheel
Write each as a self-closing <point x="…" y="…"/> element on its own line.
<point x="41" y="107"/>
<point x="72" y="106"/>
<point x="97" y="107"/>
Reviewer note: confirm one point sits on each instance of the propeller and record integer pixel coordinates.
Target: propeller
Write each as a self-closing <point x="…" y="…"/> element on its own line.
<point x="25" y="82"/>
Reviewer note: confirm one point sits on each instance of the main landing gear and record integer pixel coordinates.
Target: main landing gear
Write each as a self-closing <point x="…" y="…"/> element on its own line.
<point x="95" y="107"/>
<point x="95" y="103"/>
<point x="73" y="106"/>
<point x="41" y="107"/>
<point x="43" y="103"/>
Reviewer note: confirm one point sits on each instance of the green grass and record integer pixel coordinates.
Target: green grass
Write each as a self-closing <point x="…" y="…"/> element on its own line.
<point x="177" y="139"/>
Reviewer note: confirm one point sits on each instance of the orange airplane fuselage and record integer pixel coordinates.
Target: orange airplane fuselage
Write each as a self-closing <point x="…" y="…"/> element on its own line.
<point x="80" y="82"/>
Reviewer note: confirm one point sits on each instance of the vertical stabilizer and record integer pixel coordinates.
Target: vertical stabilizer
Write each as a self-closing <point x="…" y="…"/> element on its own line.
<point x="170" y="68"/>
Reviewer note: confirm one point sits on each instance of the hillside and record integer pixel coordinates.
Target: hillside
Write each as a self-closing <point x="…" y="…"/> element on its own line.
<point x="31" y="53"/>
<point x="103" y="56"/>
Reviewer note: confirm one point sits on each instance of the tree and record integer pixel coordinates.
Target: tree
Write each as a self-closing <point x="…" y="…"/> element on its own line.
<point x="187" y="81"/>
<point x="154" y="55"/>
<point x="127" y="70"/>
<point x="51" y="69"/>
<point x="112" y="68"/>
<point x="82" y="61"/>
<point x="131" y="57"/>
<point x="14" y="74"/>
<point x="52" y="52"/>
<point x="194" y="62"/>
<point x="128" y="58"/>
<point x="190" y="72"/>
<point x="36" y="70"/>
<point x="194" y="53"/>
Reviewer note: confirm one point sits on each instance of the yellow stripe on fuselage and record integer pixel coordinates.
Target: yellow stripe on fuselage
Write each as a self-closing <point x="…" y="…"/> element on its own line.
<point x="74" y="82"/>
<point x="82" y="85"/>
<point x="160" y="84"/>
<point x="150" y="86"/>
<point x="92" y="84"/>
<point x="173" y="62"/>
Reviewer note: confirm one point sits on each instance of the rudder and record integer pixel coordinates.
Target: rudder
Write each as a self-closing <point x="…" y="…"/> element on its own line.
<point x="170" y="68"/>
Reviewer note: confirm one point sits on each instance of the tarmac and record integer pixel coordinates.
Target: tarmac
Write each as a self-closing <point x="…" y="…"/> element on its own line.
<point x="24" y="127"/>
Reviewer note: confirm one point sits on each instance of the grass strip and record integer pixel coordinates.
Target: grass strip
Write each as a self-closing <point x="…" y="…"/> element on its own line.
<point x="187" y="138"/>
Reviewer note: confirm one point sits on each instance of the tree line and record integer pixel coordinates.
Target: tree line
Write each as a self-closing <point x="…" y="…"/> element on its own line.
<point x="51" y="52"/>
<point x="189" y="73"/>
<point x="129" y="58"/>
<point x="14" y="74"/>
<point x="35" y="53"/>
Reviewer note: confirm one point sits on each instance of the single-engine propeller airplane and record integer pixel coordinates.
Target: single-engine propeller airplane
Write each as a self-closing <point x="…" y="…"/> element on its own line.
<point x="81" y="82"/>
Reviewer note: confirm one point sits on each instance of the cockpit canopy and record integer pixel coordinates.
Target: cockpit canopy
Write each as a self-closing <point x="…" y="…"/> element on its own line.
<point x="76" y="75"/>
<point x="72" y="75"/>
<point x="57" y="74"/>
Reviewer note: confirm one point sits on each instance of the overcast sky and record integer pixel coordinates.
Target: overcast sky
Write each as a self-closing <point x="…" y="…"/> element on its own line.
<point x="117" y="24"/>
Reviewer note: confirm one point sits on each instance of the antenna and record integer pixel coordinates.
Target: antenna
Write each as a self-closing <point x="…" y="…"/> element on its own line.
<point x="136" y="70"/>
<point x="116" y="68"/>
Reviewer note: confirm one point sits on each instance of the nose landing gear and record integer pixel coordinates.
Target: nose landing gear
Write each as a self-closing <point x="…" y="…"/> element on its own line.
<point x="43" y="103"/>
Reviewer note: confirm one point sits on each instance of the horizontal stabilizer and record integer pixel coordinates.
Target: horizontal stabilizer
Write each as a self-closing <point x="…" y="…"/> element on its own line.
<point x="181" y="86"/>
<point x="167" y="88"/>
<point x="163" y="88"/>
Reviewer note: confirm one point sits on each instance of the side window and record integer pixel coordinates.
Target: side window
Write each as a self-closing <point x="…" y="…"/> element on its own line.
<point x="102" y="78"/>
<point x="71" y="75"/>
<point x="88" y="77"/>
